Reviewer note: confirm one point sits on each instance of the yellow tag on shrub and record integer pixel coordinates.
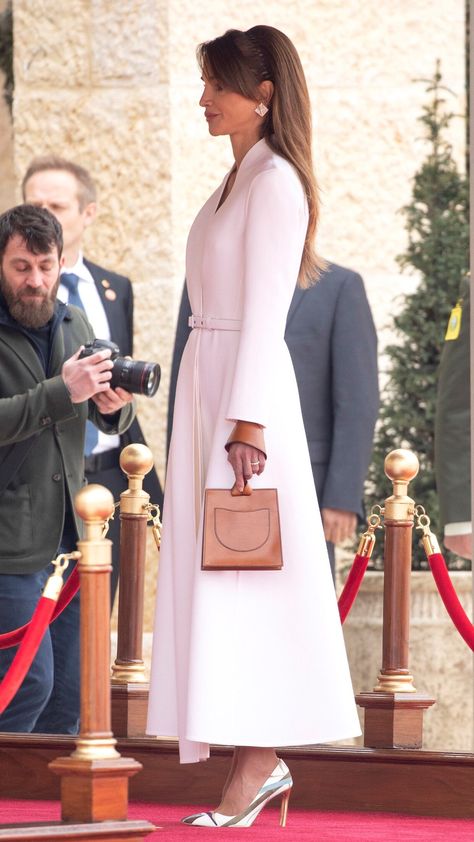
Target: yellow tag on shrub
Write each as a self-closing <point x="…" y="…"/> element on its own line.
<point x="454" y="324"/>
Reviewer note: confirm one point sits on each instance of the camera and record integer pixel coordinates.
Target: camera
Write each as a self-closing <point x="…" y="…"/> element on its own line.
<point x="134" y="376"/>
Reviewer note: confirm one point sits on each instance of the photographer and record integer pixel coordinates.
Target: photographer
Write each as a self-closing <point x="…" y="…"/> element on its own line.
<point x="47" y="392"/>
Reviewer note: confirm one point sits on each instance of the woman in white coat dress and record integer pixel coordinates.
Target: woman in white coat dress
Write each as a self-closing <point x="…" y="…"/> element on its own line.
<point x="251" y="659"/>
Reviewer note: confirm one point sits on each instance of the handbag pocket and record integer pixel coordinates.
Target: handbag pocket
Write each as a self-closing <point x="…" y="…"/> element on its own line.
<point x="242" y="532"/>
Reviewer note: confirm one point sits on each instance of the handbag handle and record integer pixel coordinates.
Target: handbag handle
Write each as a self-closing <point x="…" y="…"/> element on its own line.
<point x="245" y="493"/>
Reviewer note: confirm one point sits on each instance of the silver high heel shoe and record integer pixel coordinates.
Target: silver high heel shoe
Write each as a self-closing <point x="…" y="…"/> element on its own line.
<point x="279" y="783"/>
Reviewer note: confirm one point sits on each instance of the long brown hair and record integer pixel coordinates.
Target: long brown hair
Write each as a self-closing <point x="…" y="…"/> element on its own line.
<point x="241" y="61"/>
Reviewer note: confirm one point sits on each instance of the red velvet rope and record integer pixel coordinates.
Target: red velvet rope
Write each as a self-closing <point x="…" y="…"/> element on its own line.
<point x="352" y="585"/>
<point x="27" y="651"/>
<point x="450" y="598"/>
<point x="70" y="589"/>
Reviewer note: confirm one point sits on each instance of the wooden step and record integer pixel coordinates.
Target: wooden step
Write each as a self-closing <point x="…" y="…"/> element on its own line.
<point x="414" y="782"/>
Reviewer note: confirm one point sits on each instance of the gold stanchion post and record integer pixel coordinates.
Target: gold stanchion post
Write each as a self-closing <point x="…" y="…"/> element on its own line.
<point x="129" y="684"/>
<point x="394" y="710"/>
<point x="94" y="778"/>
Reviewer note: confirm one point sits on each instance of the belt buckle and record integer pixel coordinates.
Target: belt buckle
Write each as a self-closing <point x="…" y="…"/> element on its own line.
<point x="197" y="321"/>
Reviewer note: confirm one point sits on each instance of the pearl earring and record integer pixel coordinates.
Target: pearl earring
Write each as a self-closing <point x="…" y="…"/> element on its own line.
<point x="261" y="109"/>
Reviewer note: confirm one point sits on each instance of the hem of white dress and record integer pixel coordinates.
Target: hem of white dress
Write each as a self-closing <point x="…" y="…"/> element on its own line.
<point x="288" y="742"/>
<point x="193" y="750"/>
<point x="162" y="735"/>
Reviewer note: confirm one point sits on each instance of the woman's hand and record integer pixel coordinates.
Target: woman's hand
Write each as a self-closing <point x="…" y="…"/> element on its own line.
<point x="246" y="461"/>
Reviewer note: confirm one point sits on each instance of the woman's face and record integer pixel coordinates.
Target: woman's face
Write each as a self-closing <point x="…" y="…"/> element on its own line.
<point x="227" y="112"/>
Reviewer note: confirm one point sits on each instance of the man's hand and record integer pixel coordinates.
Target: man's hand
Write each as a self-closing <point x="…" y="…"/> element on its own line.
<point x="88" y="376"/>
<point x="113" y="400"/>
<point x="459" y="544"/>
<point x="338" y="525"/>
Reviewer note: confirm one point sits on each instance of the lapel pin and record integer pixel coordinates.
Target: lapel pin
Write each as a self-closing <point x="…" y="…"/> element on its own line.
<point x="105" y="283"/>
<point x="110" y="294"/>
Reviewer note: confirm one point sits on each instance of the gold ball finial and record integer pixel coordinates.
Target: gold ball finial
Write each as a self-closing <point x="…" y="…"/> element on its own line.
<point x="94" y="503"/>
<point x="136" y="460"/>
<point x="401" y="465"/>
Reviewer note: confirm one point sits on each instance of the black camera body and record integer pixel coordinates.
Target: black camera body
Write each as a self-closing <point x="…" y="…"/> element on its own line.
<point x="134" y="376"/>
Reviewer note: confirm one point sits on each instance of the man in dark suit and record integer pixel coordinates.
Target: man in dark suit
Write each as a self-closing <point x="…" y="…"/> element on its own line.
<point x="68" y="191"/>
<point x="333" y="344"/>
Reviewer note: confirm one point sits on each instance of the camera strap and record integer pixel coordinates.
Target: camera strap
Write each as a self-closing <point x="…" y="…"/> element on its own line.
<point x="68" y="350"/>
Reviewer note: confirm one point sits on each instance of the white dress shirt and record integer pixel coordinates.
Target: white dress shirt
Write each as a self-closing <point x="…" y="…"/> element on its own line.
<point x="96" y="315"/>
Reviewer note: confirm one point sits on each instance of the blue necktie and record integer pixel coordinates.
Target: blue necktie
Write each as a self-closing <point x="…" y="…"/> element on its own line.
<point x="71" y="282"/>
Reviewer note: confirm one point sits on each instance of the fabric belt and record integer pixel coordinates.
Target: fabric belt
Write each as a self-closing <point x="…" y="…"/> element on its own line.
<point x="102" y="461"/>
<point x="210" y="323"/>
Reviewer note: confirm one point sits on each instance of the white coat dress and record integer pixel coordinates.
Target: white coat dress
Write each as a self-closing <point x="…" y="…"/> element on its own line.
<point x="245" y="658"/>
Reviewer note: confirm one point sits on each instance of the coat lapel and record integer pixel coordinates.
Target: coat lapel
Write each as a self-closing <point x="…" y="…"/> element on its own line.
<point x="98" y="278"/>
<point x="25" y="352"/>
<point x="109" y="297"/>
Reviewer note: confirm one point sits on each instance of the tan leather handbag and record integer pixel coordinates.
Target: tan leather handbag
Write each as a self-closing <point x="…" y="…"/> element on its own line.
<point x="241" y="529"/>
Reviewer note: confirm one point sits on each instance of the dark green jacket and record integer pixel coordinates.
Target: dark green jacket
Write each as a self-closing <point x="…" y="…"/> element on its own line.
<point x="32" y="506"/>
<point x="453" y="423"/>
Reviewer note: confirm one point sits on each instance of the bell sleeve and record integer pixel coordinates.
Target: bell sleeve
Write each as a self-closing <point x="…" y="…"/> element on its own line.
<point x="274" y="234"/>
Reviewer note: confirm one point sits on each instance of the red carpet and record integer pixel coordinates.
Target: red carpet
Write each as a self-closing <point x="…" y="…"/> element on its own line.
<point x="302" y="825"/>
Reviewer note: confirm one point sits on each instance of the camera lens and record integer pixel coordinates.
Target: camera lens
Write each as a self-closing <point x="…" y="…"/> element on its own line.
<point x="136" y="376"/>
<point x="151" y="379"/>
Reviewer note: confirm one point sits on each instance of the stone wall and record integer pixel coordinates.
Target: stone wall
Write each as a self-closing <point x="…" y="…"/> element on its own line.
<point x="7" y="175"/>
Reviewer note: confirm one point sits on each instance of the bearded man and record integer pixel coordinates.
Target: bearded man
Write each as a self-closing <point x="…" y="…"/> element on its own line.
<point x="47" y="392"/>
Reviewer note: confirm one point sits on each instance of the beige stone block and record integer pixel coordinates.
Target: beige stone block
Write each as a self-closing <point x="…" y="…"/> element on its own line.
<point x="52" y="43"/>
<point x="7" y="178"/>
<point x="129" y="42"/>
<point x="88" y="43"/>
<point x="379" y="44"/>
<point x="366" y="161"/>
